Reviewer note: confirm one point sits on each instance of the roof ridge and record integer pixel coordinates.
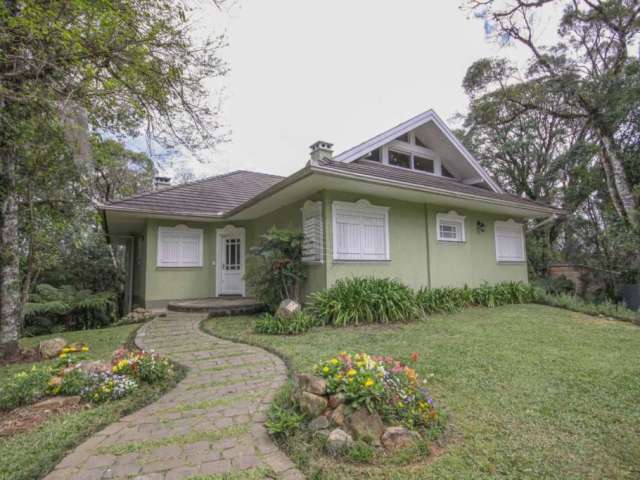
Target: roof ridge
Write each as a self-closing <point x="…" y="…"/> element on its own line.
<point x="188" y="184"/>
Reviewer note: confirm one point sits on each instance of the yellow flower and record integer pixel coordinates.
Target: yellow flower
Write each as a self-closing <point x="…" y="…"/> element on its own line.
<point x="325" y="369"/>
<point x="352" y="373"/>
<point x="338" y="377"/>
<point x="85" y="349"/>
<point x="63" y="355"/>
<point x="369" y="383"/>
<point x="334" y="361"/>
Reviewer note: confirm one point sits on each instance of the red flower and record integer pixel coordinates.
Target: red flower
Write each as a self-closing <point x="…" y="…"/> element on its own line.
<point x="415" y="356"/>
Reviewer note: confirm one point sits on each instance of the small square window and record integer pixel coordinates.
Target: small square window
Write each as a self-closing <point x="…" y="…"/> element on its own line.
<point x="403" y="138"/>
<point x="423" y="164"/>
<point x="450" y="227"/>
<point x="399" y="159"/>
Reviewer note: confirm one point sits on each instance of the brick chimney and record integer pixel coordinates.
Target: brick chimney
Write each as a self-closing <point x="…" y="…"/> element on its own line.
<point x="160" y="182"/>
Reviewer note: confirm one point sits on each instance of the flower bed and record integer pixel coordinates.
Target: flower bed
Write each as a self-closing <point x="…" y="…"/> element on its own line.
<point x="360" y="403"/>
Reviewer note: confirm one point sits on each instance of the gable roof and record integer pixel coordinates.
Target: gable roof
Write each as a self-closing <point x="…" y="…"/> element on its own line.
<point x="387" y="136"/>
<point x="208" y="197"/>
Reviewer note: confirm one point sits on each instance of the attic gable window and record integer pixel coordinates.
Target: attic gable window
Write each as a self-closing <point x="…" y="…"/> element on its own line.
<point x="399" y="159"/>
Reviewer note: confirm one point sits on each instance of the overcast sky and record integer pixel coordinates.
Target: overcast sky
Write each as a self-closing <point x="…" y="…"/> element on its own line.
<point x="336" y="70"/>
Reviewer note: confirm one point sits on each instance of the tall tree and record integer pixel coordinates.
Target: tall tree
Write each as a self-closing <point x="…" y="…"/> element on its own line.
<point x="125" y="67"/>
<point x="588" y="73"/>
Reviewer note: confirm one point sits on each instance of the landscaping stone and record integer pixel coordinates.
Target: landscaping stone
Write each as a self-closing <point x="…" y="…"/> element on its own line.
<point x="312" y="384"/>
<point x="365" y="426"/>
<point x="312" y="405"/>
<point x="51" y="348"/>
<point x="319" y="423"/>
<point x="337" y="440"/>
<point x="338" y="415"/>
<point x="395" y="438"/>
<point x="288" y="308"/>
<point x="94" y="366"/>
<point x="337" y="399"/>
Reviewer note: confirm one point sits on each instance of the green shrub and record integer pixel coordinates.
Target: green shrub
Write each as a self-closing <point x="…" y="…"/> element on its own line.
<point x="275" y="270"/>
<point x="24" y="388"/>
<point x="451" y="299"/>
<point x="283" y="417"/>
<point x="72" y="383"/>
<point x="557" y="285"/>
<point x="144" y="366"/>
<point x="357" y="300"/>
<point x="271" y="325"/>
<point x="577" y="304"/>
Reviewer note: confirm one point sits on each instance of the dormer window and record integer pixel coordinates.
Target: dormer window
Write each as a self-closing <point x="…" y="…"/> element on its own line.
<point x="399" y="159"/>
<point x="423" y="164"/>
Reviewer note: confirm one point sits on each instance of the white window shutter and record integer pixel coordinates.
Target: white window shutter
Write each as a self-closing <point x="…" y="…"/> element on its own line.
<point x="509" y="242"/>
<point x="313" y="231"/>
<point x="179" y="247"/>
<point x="361" y="232"/>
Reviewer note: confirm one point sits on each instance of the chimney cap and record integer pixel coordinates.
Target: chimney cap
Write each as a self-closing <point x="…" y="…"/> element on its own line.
<point x="321" y="144"/>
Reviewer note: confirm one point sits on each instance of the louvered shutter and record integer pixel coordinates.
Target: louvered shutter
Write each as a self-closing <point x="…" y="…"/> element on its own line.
<point x="313" y="230"/>
<point x="179" y="247"/>
<point x="361" y="232"/>
<point x="509" y="242"/>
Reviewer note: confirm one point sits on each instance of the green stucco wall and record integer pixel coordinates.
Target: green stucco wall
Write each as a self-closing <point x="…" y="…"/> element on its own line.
<point x="407" y="242"/>
<point x="162" y="284"/>
<point x="473" y="261"/>
<point x="417" y="257"/>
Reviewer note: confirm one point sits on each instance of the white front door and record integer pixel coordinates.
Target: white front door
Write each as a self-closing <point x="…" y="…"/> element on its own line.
<point x="231" y="262"/>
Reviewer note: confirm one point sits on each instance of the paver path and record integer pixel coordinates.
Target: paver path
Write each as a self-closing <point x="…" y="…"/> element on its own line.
<point x="210" y="423"/>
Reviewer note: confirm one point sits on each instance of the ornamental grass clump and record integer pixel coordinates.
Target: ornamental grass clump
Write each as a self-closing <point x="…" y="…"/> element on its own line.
<point x="358" y="300"/>
<point x="385" y="386"/>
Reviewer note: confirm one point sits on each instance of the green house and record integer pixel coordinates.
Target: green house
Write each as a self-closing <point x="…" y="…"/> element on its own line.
<point x="410" y="203"/>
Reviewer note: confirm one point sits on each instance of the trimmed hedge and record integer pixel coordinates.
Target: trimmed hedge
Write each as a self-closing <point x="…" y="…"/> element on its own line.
<point x="577" y="304"/>
<point x="357" y="300"/>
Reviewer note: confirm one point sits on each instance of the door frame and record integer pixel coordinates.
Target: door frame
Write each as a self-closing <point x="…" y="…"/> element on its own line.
<point x="229" y="230"/>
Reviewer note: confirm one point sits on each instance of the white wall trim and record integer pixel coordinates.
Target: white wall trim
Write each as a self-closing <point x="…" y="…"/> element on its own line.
<point x="230" y="229"/>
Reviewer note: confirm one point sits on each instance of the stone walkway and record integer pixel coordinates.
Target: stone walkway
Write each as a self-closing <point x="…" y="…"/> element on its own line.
<point x="210" y="424"/>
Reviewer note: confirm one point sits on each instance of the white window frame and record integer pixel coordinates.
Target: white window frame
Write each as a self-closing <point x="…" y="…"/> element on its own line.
<point x="513" y="227"/>
<point x="451" y="218"/>
<point x="361" y="207"/>
<point x="313" y="248"/>
<point x="162" y="234"/>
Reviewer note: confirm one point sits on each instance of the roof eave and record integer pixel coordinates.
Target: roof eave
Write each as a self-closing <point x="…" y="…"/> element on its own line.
<point x="359" y="176"/>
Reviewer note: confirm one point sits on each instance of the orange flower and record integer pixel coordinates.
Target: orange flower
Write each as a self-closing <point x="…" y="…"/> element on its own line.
<point x="411" y="374"/>
<point x="415" y="356"/>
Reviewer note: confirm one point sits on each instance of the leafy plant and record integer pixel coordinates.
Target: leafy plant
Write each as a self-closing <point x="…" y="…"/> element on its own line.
<point x="272" y="325"/>
<point x="451" y="299"/>
<point x="357" y="300"/>
<point x="275" y="270"/>
<point x="24" y="387"/>
<point x="577" y="304"/>
<point x="74" y="308"/>
<point x="283" y="417"/>
<point x="73" y="383"/>
<point x="144" y="366"/>
<point x="102" y="387"/>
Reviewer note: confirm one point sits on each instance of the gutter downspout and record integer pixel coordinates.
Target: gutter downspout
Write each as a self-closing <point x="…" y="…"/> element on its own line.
<point x="426" y="228"/>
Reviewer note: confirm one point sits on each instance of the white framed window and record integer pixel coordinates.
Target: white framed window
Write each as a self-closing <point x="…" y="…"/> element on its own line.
<point x="179" y="246"/>
<point x="450" y="227"/>
<point x="360" y="231"/>
<point x="509" y="242"/>
<point x="313" y="230"/>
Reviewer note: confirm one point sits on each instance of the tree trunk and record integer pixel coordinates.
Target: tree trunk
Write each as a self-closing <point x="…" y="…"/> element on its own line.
<point x="10" y="268"/>
<point x="619" y="179"/>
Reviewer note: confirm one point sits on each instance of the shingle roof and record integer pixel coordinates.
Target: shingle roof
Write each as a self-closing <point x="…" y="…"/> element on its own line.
<point x="213" y="196"/>
<point x="419" y="179"/>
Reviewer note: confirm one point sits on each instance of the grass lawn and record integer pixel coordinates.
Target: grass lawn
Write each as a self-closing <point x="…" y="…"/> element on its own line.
<point x="30" y="455"/>
<point x="532" y="391"/>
